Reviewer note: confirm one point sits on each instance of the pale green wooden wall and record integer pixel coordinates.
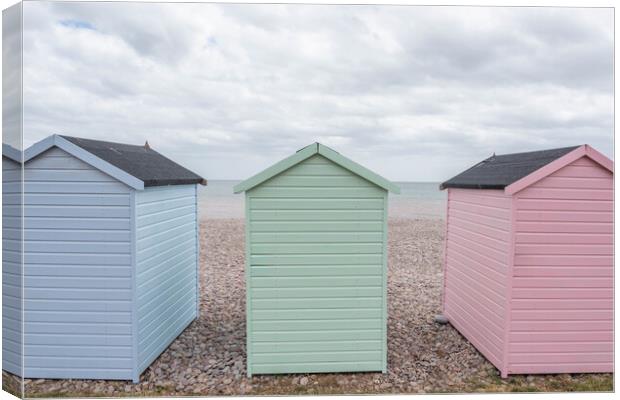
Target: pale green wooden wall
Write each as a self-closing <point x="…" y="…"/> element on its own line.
<point x="316" y="271"/>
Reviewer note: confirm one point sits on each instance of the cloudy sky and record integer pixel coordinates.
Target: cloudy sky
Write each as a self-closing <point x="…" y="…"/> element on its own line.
<point x="415" y="93"/>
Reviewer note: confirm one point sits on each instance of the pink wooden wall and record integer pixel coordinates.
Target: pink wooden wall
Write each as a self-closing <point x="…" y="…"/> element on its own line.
<point x="476" y="269"/>
<point x="528" y="278"/>
<point x="562" y="293"/>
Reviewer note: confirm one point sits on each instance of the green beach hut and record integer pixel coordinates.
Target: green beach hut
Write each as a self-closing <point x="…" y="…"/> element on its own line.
<point x="316" y="265"/>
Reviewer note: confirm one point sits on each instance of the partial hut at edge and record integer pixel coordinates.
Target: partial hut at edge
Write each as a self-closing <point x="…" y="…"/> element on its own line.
<point x="528" y="276"/>
<point x="110" y="270"/>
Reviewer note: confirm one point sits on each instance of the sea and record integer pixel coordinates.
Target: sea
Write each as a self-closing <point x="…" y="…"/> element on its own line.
<point x="416" y="200"/>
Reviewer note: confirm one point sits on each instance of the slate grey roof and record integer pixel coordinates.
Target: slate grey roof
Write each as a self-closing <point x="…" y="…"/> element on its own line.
<point x="141" y="162"/>
<point x="497" y="172"/>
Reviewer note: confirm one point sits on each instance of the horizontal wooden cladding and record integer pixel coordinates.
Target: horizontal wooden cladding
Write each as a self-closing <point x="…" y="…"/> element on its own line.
<point x="317" y="248"/>
<point x="470" y="260"/>
<point x="76" y="258"/>
<point x="318" y="181"/>
<point x="465" y="228"/>
<point x="315" y="237"/>
<point x="65" y="175"/>
<point x="524" y="204"/>
<point x="315" y="204"/>
<point x="492" y="253"/>
<point x="316" y="346"/>
<point x="323" y="192"/>
<point x="80" y="373"/>
<point x="315" y="324"/>
<point x="564" y="272"/>
<point x="184" y="200"/>
<point x="557" y="368"/>
<point x="77" y="339"/>
<point x="564" y="260"/>
<point x="78" y="270"/>
<point x="556" y="282"/>
<point x="316" y="215"/>
<point x="80" y="306"/>
<point x="476" y="283"/>
<point x="66" y="162"/>
<point x="481" y="318"/>
<point x="166" y="267"/>
<point x="107" y="317"/>
<point x="562" y="347"/>
<point x="69" y="211"/>
<point x="564" y="216"/>
<point x="162" y="195"/>
<point x="315" y="270"/>
<point x="315" y="169"/>
<point x="581" y="171"/>
<point x="330" y="334"/>
<point x="491" y="312"/>
<point x="298" y="305"/>
<point x="561" y="293"/>
<point x="77" y="328"/>
<point x="76" y="223"/>
<point x="75" y="199"/>
<point x="547" y="326"/>
<point x="487" y="343"/>
<point x="165" y="257"/>
<point x="456" y="216"/>
<point x="527" y="337"/>
<point x="312" y="259"/>
<point x="165" y="235"/>
<point x="77" y="294"/>
<point x="164" y="225"/>
<point x="316" y="226"/>
<point x="543" y="238"/>
<point x="174" y="327"/>
<point x="562" y="249"/>
<point x="152" y="249"/>
<point x="76" y="362"/>
<point x="310" y="357"/>
<point x="482" y="210"/>
<point x="74" y="187"/>
<point x="561" y="304"/>
<point x="568" y="315"/>
<point x="570" y="194"/>
<point x="585" y="182"/>
<point x="57" y="246"/>
<point x="285" y="368"/>
<point x="307" y="293"/>
<point x="76" y="282"/>
<point x="158" y="313"/>
<point x="481" y="198"/>
<point x="77" y="351"/>
<point x="314" y="282"/>
<point x="565" y="227"/>
<point x="165" y="215"/>
<point x="560" y="358"/>
<point x="319" y="313"/>
<point x="70" y="235"/>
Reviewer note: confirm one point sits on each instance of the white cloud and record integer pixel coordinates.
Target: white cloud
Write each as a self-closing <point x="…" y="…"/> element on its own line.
<point x="417" y="93"/>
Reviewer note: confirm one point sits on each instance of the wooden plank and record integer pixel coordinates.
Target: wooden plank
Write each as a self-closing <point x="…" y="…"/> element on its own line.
<point x="313" y="282"/>
<point x="316" y="215"/>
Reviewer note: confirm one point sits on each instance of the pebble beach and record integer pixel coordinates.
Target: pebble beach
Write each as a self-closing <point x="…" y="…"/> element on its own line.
<point x="208" y="358"/>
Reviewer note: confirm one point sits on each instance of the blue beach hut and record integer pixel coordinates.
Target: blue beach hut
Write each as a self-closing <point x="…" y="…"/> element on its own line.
<point x="110" y="258"/>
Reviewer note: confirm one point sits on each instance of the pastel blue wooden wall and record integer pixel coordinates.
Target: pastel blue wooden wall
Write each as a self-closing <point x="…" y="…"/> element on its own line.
<point x="166" y="256"/>
<point x="78" y="269"/>
<point x="316" y="271"/>
<point x="11" y="267"/>
<point x="108" y="284"/>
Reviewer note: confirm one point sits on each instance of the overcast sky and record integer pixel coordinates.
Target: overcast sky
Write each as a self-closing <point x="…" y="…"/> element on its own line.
<point x="414" y="93"/>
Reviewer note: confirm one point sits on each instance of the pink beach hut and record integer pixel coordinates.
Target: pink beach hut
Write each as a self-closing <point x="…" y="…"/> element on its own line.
<point x="528" y="274"/>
